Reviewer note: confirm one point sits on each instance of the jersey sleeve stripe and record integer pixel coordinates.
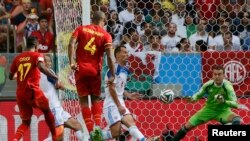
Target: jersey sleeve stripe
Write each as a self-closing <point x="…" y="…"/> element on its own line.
<point x="108" y="44"/>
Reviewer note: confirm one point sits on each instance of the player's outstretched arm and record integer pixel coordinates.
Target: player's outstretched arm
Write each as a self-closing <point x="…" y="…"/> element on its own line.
<point x="46" y="71"/>
<point x="133" y="96"/>
<point x="113" y="94"/>
<point x="71" y="50"/>
<point x="110" y="62"/>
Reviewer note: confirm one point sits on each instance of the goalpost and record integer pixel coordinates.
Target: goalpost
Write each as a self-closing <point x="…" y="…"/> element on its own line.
<point x="69" y="14"/>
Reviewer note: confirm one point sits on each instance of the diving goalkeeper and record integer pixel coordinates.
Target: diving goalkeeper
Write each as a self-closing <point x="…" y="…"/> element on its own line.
<point x="220" y="99"/>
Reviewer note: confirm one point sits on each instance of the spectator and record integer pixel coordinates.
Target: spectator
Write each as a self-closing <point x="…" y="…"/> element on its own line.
<point x="179" y="19"/>
<point x="155" y="44"/>
<point x="207" y="9"/>
<point x="170" y="40"/>
<point x="155" y="16"/>
<point x="201" y="46"/>
<point x="32" y="24"/>
<point x="221" y="40"/>
<point x="190" y="25"/>
<point x="166" y="19"/>
<point x="148" y="31"/>
<point x="134" y="45"/>
<point x="227" y="42"/>
<point x="145" y="5"/>
<point x="127" y="14"/>
<point x="18" y="16"/>
<point x="184" y="45"/>
<point x="190" y="7"/>
<point x="46" y="8"/>
<point x="246" y="6"/>
<point x="167" y="5"/>
<point x="117" y="5"/>
<point x="246" y="39"/>
<point x="201" y="34"/>
<point x="45" y="37"/>
<point x="136" y="24"/>
<point x="114" y="28"/>
<point x="240" y="23"/>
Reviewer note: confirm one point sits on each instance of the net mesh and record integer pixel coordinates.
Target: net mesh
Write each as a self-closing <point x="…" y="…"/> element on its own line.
<point x="160" y="66"/>
<point x="68" y="16"/>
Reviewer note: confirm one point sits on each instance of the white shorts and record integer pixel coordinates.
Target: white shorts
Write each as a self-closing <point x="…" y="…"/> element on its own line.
<point x="60" y="115"/>
<point x="112" y="115"/>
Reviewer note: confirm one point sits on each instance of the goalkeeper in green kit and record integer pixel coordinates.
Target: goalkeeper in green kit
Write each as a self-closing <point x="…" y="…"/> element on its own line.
<point x="220" y="99"/>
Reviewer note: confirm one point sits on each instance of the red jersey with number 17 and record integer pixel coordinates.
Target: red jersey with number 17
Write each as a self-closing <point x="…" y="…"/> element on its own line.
<point x="25" y="65"/>
<point x="92" y="42"/>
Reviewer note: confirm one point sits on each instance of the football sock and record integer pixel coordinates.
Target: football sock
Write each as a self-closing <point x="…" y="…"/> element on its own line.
<point x="20" y="130"/>
<point x="180" y="134"/>
<point x="107" y="135"/>
<point x="97" y="112"/>
<point x="87" y="116"/>
<point x="50" y="121"/>
<point x="79" y="135"/>
<point x="134" y="132"/>
<point x="236" y="121"/>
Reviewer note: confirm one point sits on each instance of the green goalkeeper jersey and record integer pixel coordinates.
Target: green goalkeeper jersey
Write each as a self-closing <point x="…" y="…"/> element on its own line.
<point x="211" y="89"/>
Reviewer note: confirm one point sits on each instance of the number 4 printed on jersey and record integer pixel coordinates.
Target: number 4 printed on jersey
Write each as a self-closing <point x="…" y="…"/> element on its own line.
<point x="90" y="47"/>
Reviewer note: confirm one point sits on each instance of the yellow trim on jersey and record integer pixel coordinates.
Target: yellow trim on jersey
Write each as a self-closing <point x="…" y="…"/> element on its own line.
<point x="107" y="44"/>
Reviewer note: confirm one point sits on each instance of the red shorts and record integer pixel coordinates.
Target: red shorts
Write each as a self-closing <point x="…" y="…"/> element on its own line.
<point x="31" y="98"/>
<point x="88" y="85"/>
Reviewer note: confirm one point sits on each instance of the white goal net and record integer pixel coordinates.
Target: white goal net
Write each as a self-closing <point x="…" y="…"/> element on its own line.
<point x="182" y="63"/>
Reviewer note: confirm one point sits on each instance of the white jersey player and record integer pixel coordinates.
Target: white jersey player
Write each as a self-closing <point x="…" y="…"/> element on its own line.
<point x="62" y="118"/>
<point x="114" y="108"/>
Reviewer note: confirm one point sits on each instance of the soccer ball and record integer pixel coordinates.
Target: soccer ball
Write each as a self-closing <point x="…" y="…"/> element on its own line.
<point x="167" y="96"/>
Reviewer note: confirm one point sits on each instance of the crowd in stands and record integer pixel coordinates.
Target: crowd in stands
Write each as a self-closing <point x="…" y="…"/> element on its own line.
<point x="22" y="18"/>
<point x="168" y="26"/>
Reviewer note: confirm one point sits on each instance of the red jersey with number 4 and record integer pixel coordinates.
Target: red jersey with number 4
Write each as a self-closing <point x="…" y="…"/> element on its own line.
<point x="25" y="65"/>
<point x="92" y="41"/>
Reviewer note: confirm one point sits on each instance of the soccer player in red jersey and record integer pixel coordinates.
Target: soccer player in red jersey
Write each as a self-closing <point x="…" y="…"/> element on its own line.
<point x="27" y="67"/>
<point x="92" y="41"/>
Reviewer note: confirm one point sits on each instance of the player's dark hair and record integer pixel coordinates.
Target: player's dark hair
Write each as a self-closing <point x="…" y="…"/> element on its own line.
<point x="31" y="42"/>
<point x="118" y="49"/>
<point x="98" y="16"/>
<point x="218" y="67"/>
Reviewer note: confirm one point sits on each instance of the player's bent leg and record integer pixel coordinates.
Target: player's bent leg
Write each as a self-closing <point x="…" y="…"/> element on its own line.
<point x="128" y="121"/>
<point x="227" y="117"/>
<point x="234" y="119"/>
<point x="50" y="121"/>
<point x="43" y="104"/>
<point x="73" y="124"/>
<point x="76" y="126"/>
<point x="21" y="129"/>
<point x="115" y="130"/>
